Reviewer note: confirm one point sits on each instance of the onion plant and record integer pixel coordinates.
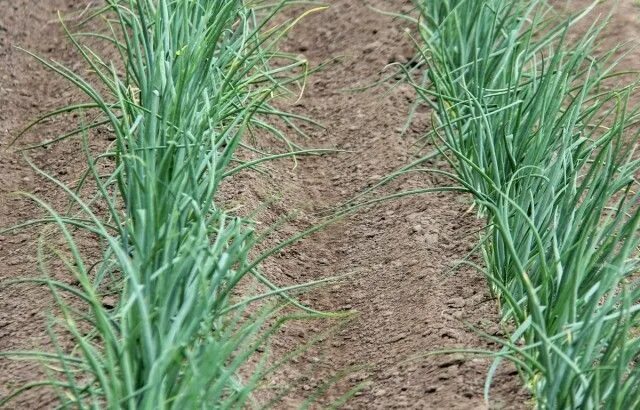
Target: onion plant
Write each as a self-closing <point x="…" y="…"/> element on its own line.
<point x="535" y="131"/>
<point x="192" y="76"/>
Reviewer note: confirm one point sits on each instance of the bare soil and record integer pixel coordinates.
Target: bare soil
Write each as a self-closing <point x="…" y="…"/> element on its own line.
<point x="27" y="90"/>
<point x="408" y="296"/>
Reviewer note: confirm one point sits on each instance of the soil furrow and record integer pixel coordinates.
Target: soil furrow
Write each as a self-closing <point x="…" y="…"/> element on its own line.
<point x="401" y="255"/>
<point x="27" y="90"/>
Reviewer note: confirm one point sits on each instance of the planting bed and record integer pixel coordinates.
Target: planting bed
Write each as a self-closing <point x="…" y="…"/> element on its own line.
<point x="404" y="294"/>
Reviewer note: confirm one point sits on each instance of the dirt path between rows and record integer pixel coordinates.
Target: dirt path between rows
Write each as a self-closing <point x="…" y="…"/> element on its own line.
<point x="407" y="297"/>
<point x="27" y="90"/>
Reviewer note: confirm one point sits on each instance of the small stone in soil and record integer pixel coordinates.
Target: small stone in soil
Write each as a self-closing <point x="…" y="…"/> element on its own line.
<point x="456" y="303"/>
<point x="453" y="360"/>
<point x="369" y="48"/>
<point x="449" y="334"/>
<point x="380" y="392"/>
<point x="431" y="239"/>
<point x="109" y="302"/>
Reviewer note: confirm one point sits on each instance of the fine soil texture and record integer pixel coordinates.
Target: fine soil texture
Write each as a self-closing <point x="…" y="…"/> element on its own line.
<point x="28" y="90"/>
<point x="409" y="300"/>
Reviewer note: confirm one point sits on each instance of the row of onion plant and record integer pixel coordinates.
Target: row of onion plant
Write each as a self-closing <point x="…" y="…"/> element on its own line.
<point x="177" y="83"/>
<point x="539" y="130"/>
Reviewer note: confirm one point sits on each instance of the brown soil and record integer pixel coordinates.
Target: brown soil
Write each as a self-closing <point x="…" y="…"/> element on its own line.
<point x="408" y="299"/>
<point x="27" y="90"/>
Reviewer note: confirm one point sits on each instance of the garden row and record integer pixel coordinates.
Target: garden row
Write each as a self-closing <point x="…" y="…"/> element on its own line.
<point x="177" y="83"/>
<point x="539" y="131"/>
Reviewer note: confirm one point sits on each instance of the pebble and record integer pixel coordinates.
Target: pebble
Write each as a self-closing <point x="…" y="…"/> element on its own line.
<point x="431" y="239"/>
<point x="380" y="392"/>
<point x="431" y="389"/>
<point x="456" y="303"/>
<point x="449" y="334"/>
<point x="371" y="47"/>
<point x="453" y="360"/>
<point x="109" y="302"/>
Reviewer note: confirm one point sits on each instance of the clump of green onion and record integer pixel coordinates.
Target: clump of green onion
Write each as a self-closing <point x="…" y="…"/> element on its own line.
<point x="534" y="131"/>
<point x="192" y="76"/>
